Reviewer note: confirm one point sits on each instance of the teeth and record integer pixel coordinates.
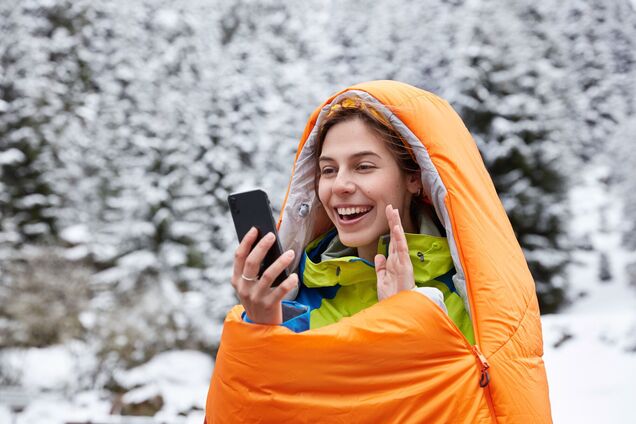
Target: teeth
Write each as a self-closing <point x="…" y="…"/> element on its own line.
<point x="351" y="211"/>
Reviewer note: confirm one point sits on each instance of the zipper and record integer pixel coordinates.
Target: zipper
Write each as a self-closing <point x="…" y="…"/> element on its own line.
<point x="484" y="380"/>
<point x="483" y="364"/>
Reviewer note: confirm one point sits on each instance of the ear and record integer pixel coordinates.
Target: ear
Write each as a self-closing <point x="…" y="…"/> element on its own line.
<point x="413" y="182"/>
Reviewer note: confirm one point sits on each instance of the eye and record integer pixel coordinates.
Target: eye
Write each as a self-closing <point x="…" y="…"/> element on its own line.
<point x="327" y="170"/>
<point x="365" y="166"/>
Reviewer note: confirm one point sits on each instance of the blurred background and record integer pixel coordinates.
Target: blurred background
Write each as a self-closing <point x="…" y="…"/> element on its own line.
<point x="125" y="124"/>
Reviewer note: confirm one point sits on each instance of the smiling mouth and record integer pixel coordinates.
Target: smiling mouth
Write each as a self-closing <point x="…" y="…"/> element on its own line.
<point x="350" y="214"/>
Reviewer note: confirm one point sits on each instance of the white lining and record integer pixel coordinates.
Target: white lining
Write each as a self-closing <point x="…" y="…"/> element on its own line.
<point x="296" y="227"/>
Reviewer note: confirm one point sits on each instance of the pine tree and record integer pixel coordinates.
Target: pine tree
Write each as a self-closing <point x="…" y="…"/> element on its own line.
<point x="43" y="75"/>
<point x="505" y="98"/>
<point x="597" y="40"/>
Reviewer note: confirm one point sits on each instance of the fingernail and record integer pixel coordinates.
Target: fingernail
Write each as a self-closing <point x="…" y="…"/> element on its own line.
<point x="270" y="236"/>
<point x="290" y="253"/>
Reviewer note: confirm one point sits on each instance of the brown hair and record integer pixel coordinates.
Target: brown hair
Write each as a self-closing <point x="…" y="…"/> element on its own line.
<point x="356" y="108"/>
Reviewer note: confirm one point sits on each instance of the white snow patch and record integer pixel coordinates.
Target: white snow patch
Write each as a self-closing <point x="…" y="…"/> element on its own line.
<point x="591" y="375"/>
<point x="138" y="261"/>
<point x="88" y="319"/>
<point x="76" y="253"/>
<point x="76" y="234"/>
<point x="34" y="200"/>
<point x="36" y="229"/>
<point x="111" y="275"/>
<point x="44" y="411"/>
<point x="181" y="378"/>
<point x="12" y="155"/>
<point x="590" y="347"/>
<point x="48" y="368"/>
<point x="85" y="407"/>
<point x="177" y="366"/>
<point x="167" y="19"/>
<point x="5" y="414"/>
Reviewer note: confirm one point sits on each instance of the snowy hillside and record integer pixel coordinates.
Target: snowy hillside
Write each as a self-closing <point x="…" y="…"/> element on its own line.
<point x="125" y="125"/>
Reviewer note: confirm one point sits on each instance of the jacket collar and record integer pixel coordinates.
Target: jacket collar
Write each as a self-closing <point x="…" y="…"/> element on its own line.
<point x="327" y="262"/>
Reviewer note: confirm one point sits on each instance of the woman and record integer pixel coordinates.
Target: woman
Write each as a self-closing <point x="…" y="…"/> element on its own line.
<point x="369" y="185"/>
<point x="402" y="359"/>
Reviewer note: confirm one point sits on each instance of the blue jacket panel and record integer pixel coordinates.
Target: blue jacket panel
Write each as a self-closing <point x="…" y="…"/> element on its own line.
<point x="295" y="316"/>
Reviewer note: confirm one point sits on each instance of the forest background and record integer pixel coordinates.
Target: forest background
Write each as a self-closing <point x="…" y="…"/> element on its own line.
<point x="125" y="125"/>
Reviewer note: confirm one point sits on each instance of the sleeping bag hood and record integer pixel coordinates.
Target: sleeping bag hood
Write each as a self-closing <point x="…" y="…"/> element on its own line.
<point x="402" y="360"/>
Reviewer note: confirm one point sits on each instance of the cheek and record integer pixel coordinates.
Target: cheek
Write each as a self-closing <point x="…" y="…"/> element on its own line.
<point x="323" y="192"/>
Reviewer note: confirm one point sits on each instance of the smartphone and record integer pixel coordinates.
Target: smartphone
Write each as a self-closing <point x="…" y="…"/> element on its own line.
<point x="252" y="209"/>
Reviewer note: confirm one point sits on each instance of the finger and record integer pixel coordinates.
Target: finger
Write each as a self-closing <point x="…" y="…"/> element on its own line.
<point x="401" y="244"/>
<point x="389" y="215"/>
<point x="396" y="218"/>
<point x="380" y="270"/>
<point x="396" y="213"/>
<point x="403" y="247"/>
<point x="380" y="265"/>
<point x="243" y="250"/>
<point x="256" y="256"/>
<point x="279" y="293"/>
<point x="395" y="239"/>
<point x="393" y="216"/>
<point x="397" y="242"/>
<point x="275" y="269"/>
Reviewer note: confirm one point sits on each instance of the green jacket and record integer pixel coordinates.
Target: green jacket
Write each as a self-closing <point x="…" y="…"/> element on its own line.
<point x="336" y="284"/>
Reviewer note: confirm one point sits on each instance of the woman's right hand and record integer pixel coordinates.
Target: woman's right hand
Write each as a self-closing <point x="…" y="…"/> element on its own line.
<point x="262" y="303"/>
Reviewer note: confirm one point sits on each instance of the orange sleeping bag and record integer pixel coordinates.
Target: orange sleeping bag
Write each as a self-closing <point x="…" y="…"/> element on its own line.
<point x="402" y="360"/>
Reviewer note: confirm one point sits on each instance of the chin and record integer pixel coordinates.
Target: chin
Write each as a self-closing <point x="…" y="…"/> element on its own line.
<point x="356" y="241"/>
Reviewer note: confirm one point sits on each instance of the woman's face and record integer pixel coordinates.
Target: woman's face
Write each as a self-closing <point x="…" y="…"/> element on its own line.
<point x="359" y="177"/>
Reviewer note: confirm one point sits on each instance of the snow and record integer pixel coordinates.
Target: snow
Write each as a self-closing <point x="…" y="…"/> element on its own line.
<point x="168" y="19"/>
<point x="55" y="368"/>
<point x="181" y="378"/>
<point x="5" y="414"/>
<point x="76" y="253"/>
<point x="590" y="348"/>
<point x="48" y="368"/>
<point x="11" y="156"/>
<point x="137" y="127"/>
<point x="85" y="407"/>
<point x="138" y="260"/>
<point x="177" y="367"/>
<point x="76" y="234"/>
<point x="591" y="376"/>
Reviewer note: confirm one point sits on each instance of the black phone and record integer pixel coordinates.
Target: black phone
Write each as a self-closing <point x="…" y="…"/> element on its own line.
<point x="252" y="209"/>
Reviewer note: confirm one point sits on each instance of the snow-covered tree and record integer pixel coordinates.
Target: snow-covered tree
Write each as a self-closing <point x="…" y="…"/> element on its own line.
<point x="597" y="45"/>
<point x="505" y="96"/>
<point x="42" y="82"/>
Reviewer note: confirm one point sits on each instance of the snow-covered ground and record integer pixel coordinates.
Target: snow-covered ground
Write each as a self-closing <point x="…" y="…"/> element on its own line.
<point x="180" y="379"/>
<point x="590" y="348"/>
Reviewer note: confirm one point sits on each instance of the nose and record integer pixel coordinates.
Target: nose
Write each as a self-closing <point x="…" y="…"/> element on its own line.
<point x="343" y="183"/>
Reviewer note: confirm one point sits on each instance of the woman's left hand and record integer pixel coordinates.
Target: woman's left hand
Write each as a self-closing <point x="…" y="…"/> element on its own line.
<point x="395" y="273"/>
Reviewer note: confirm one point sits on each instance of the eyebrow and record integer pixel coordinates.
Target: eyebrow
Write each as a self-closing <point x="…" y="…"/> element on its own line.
<point x="353" y="156"/>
